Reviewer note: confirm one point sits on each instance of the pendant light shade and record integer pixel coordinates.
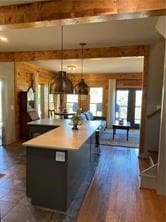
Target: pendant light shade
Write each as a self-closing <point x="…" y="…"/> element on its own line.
<point x="82" y="88"/>
<point x="61" y="84"/>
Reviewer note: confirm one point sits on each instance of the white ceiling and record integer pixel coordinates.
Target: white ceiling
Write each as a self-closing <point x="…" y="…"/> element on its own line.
<point x="104" y="65"/>
<point x="105" y="34"/>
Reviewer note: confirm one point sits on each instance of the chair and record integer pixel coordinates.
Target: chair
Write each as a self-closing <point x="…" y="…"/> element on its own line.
<point x="33" y="115"/>
<point x="51" y="113"/>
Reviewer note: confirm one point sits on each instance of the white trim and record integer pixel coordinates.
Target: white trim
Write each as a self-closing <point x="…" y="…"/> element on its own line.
<point x="7" y="74"/>
<point x="111" y="103"/>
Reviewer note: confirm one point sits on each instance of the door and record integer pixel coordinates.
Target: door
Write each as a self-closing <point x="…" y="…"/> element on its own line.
<point x="128" y="106"/>
<point x="1" y="112"/>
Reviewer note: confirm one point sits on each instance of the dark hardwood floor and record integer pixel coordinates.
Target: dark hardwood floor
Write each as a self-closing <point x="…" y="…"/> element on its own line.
<point x="114" y="195"/>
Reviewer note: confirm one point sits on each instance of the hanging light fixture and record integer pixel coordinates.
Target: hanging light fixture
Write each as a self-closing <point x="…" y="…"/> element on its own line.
<point x="61" y="84"/>
<point x="82" y="88"/>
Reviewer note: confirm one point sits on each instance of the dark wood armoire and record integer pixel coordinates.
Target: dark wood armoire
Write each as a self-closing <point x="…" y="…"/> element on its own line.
<point x="26" y="105"/>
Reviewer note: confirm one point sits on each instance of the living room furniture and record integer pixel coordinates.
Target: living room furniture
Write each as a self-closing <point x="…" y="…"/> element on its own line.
<point x="125" y="125"/>
<point x="63" y="115"/>
<point x="27" y="111"/>
<point x="88" y="115"/>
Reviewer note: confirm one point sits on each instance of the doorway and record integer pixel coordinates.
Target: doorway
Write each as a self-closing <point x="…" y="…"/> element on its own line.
<point x="128" y="106"/>
<point x="1" y="113"/>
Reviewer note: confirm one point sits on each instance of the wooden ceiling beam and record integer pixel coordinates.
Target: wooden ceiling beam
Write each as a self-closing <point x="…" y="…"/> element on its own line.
<point x="99" y="76"/>
<point x="39" y="14"/>
<point x="121" y="51"/>
<point x="7" y="57"/>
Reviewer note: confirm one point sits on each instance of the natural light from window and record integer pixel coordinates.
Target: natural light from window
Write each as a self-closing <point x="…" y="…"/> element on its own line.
<point x="71" y="103"/>
<point x="96" y="100"/>
<point x="121" y="104"/>
<point x="138" y="103"/>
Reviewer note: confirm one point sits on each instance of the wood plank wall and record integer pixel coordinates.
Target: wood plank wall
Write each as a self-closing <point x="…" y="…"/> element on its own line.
<point x="24" y="71"/>
<point x="124" y="80"/>
<point x="23" y="74"/>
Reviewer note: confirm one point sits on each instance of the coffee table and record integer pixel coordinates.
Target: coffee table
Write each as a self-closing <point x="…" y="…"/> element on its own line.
<point x="124" y="125"/>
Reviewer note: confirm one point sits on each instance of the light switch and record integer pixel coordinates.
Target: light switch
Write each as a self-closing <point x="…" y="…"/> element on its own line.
<point x="60" y="156"/>
<point x="11" y="107"/>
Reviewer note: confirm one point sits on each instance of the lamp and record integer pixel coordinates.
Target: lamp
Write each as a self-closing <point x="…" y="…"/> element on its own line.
<point x="82" y="88"/>
<point x="61" y="84"/>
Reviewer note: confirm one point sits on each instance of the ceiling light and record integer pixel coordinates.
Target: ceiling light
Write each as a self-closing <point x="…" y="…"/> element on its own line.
<point x="71" y="68"/>
<point x="61" y="84"/>
<point x="82" y="88"/>
<point x="3" y="39"/>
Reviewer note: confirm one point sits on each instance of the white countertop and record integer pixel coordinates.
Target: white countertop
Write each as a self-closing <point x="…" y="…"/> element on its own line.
<point x="46" y="122"/>
<point x="63" y="137"/>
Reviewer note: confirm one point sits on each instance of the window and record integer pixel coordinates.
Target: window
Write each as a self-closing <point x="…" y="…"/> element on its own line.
<point x="121" y="104"/>
<point x="138" y="102"/>
<point x="39" y="100"/>
<point x="96" y="100"/>
<point x="72" y="103"/>
<point x="128" y="105"/>
<point x="51" y="104"/>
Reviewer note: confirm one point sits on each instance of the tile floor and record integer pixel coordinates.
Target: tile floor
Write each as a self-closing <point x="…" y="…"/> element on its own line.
<point x="14" y="205"/>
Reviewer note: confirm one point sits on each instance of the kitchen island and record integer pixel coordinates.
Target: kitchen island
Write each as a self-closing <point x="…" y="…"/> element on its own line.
<point x="58" y="161"/>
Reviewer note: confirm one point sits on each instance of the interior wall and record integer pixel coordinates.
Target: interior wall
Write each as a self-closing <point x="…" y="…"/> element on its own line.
<point x="7" y="75"/>
<point x="155" y="78"/>
<point x="23" y="73"/>
<point x="162" y="143"/>
<point x="42" y="76"/>
<point x="130" y="80"/>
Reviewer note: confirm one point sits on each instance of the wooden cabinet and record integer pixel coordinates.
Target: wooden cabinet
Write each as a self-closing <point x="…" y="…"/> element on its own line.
<point x="26" y="105"/>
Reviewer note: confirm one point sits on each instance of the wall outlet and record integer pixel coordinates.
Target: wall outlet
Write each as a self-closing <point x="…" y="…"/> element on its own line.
<point x="60" y="156"/>
<point x="11" y="107"/>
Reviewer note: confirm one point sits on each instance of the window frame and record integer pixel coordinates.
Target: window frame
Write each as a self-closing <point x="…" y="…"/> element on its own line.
<point x="96" y="114"/>
<point x="72" y="103"/>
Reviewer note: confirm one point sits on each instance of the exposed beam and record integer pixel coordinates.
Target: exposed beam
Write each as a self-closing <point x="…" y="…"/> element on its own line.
<point x="6" y="57"/>
<point x="76" y="11"/>
<point x="106" y="76"/>
<point x="121" y="51"/>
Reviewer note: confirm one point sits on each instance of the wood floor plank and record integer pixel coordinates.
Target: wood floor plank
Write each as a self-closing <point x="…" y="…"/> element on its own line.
<point x="115" y="195"/>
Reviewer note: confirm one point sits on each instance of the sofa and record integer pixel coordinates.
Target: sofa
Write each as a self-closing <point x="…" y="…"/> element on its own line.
<point x="88" y="115"/>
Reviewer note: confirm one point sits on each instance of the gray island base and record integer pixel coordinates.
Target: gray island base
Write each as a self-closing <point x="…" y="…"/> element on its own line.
<point x="55" y="172"/>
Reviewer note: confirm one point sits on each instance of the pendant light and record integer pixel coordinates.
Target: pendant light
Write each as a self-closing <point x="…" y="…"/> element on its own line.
<point x="82" y="88"/>
<point x="61" y="84"/>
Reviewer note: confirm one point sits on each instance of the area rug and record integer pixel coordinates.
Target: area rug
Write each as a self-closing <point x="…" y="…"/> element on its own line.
<point x="120" y="138"/>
